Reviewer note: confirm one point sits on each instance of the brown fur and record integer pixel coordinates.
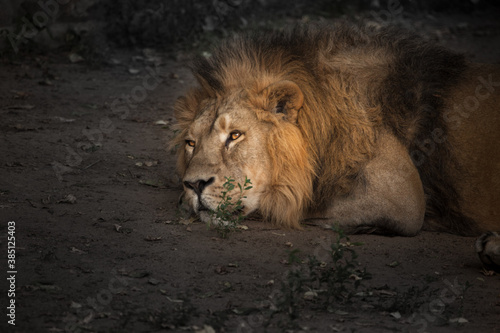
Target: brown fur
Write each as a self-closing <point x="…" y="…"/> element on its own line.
<point x="341" y="87"/>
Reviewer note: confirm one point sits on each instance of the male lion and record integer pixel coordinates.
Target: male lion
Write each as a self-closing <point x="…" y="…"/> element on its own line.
<point x="378" y="131"/>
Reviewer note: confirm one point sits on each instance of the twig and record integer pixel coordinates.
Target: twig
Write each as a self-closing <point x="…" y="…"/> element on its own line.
<point x="31" y="203"/>
<point x="91" y="164"/>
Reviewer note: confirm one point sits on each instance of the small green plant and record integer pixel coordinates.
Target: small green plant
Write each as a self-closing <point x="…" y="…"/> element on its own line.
<point x="341" y="277"/>
<point x="228" y="215"/>
<point x="292" y="288"/>
<point x="324" y="283"/>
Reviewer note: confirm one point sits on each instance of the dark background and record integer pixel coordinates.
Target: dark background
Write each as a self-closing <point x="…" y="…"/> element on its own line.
<point x="92" y="26"/>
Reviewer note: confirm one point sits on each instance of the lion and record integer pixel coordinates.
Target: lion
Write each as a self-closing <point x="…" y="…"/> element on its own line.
<point x="380" y="131"/>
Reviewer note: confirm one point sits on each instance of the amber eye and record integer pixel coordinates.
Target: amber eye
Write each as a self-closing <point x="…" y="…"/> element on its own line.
<point x="235" y="135"/>
<point x="190" y="143"/>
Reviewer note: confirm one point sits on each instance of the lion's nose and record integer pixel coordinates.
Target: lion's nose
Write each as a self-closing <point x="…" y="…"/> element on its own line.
<point x="199" y="185"/>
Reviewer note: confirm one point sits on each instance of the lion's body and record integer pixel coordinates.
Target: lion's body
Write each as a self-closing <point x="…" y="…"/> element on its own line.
<point x="345" y="124"/>
<point x="474" y="127"/>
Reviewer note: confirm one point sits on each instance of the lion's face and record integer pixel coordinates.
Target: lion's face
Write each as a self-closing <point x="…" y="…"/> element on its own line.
<point x="226" y="139"/>
<point x="251" y="133"/>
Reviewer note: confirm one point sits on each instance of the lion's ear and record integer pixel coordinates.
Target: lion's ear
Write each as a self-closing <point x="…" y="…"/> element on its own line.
<point x="284" y="97"/>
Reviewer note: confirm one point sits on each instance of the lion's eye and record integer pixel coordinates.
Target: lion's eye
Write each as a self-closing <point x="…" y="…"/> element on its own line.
<point x="190" y="143"/>
<point x="235" y="135"/>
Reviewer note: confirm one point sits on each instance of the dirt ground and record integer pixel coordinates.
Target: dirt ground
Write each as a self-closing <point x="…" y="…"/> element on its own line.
<point x="86" y="175"/>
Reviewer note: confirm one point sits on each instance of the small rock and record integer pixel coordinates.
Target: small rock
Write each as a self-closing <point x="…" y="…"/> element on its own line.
<point x="70" y="199"/>
<point x="310" y="295"/>
<point x="396" y="315"/>
<point x="75" y="58"/>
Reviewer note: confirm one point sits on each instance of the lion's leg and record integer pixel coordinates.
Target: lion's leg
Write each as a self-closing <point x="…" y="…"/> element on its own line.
<point x="390" y="200"/>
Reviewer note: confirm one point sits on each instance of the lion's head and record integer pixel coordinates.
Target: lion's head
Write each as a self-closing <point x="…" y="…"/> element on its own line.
<point x="249" y="133"/>
<point x="266" y="109"/>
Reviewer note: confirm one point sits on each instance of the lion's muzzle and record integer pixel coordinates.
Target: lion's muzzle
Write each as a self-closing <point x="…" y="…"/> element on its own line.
<point x="198" y="186"/>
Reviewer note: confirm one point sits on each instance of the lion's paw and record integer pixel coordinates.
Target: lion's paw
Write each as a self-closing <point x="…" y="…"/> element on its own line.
<point x="488" y="249"/>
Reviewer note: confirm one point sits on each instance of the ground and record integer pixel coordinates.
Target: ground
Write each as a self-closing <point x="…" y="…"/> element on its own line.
<point x="87" y="176"/>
